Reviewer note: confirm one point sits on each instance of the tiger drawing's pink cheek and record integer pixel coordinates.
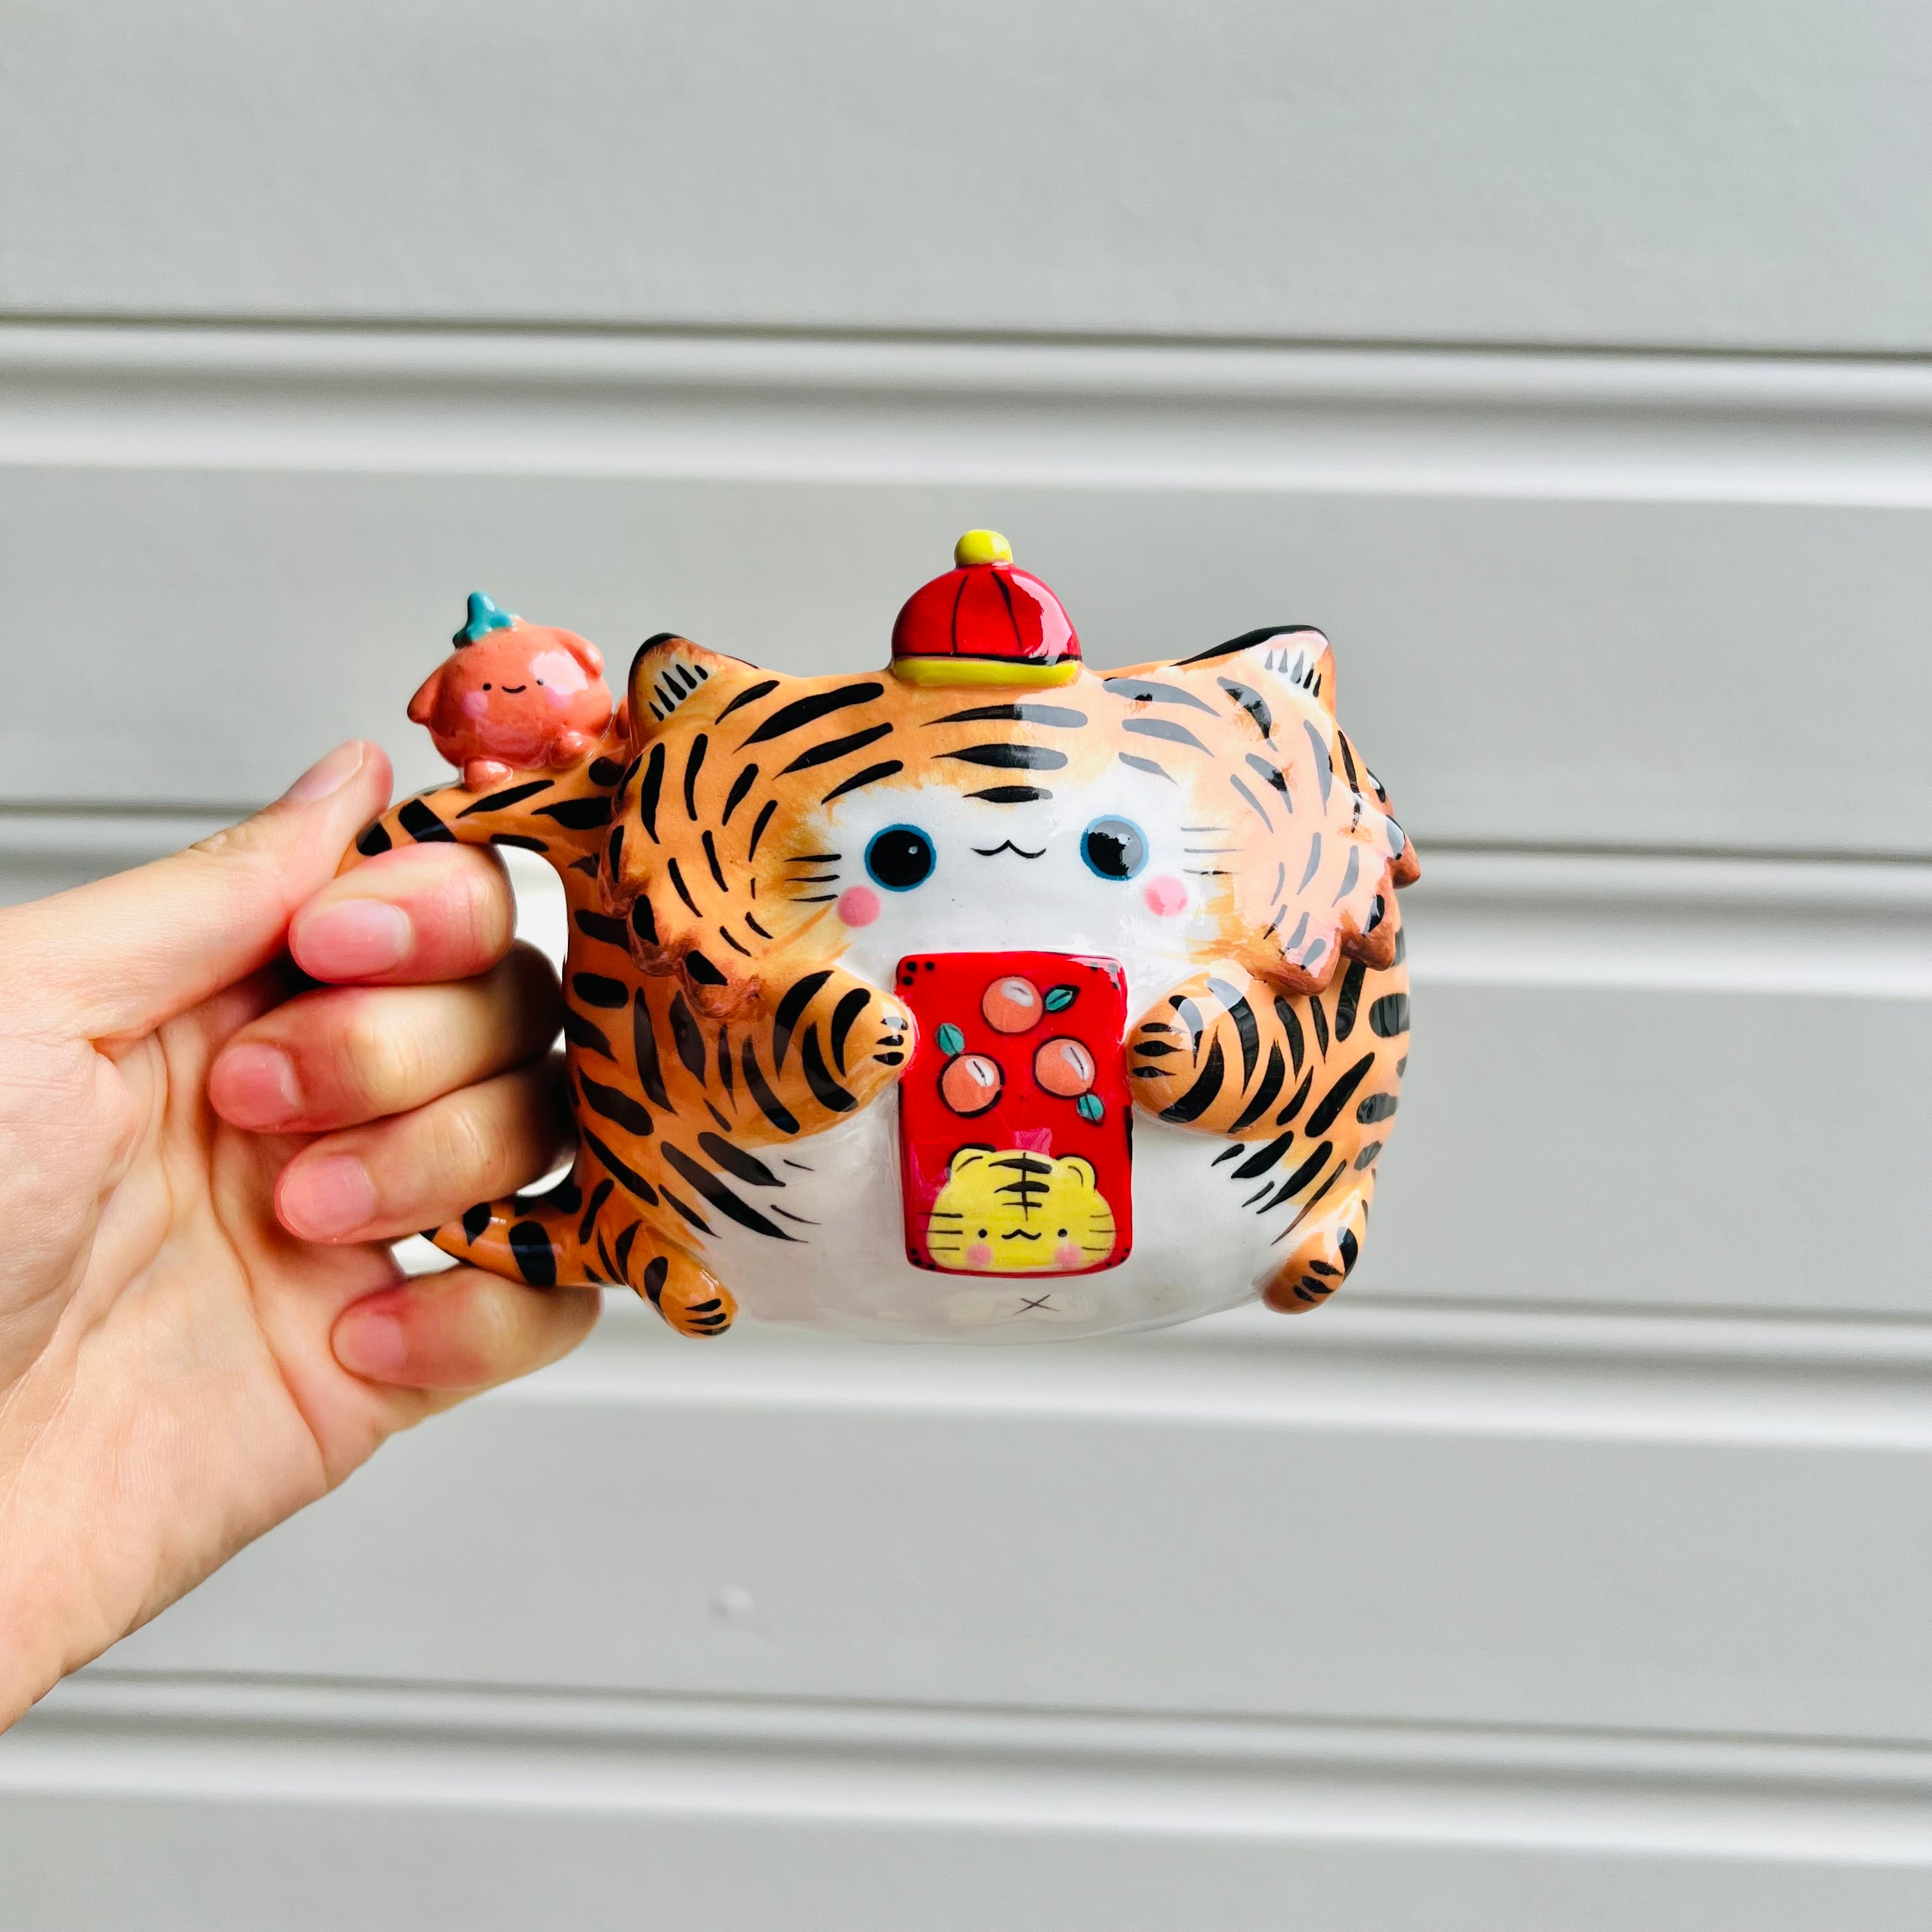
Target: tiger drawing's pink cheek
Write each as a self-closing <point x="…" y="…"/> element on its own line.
<point x="979" y="1256"/>
<point x="1066" y="1255"/>
<point x="1165" y="895"/>
<point x="859" y="905"/>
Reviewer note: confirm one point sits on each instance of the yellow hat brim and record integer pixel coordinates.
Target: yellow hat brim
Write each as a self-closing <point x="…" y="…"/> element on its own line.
<point x="984" y="670"/>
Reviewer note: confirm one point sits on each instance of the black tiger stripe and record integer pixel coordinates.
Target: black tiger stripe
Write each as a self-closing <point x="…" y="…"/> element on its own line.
<point x="756" y="927"/>
<point x="1054" y="715"/>
<point x="626" y="1241"/>
<point x="1268" y="1157"/>
<point x="735" y="797"/>
<point x="735" y="1161"/>
<point x="530" y="1248"/>
<point x="1144" y="691"/>
<point x="628" y="1177"/>
<point x="1162" y="728"/>
<point x="1338" y="1095"/>
<point x="422" y="824"/>
<point x="798" y="996"/>
<point x="375" y="838"/>
<point x="1302" y="1175"/>
<point x="616" y="1105"/>
<point x="650" y="788"/>
<point x="1012" y="794"/>
<point x="1389" y="1015"/>
<point x="475" y="1220"/>
<point x="1314" y="861"/>
<point x="606" y="772"/>
<point x="720" y="1197"/>
<point x="1252" y="702"/>
<point x="587" y="865"/>
<point x="1293" y="1107"/>
<point x="818" y="1077"/>
<point x="843" y="1016"/>
<point x="599" y="1194"/>
<point x="595" y="990"/>
<point x="1273" y="1076"/>
<point x="1318" y="1014"/>
<point x="1377" y="1107"/>
<point x="617" y="851"/>
<point x="1201" y="1095"/>
<point x="1010" y="757"/>
<point x="1147" y="765"/>
<point x="679" y="887"/>
<point x="1291" y="1026"/>
<point x="656" y="1270"/>
<point x="578" y="814"/>
<point x="1293" y="939"/>
<point x="1234" y="779"/>
<point x="1242" y="1015"/>
<point x="769" y="1104"/>
<point x="749" y="695"/>
<point x="580" y="1032"/>
<point x="758" y="824"/>
<point x="1351" y="873"/>
<point x="711" y="859"/>
<point x="687" y="1038"/>
<point x="702" y="971"/>
<point x="601" y="925"/>
<point x="871" y="775"/>
<point x="502" y="801"/>
<point x="724" y="1079"/>
<point x="1275" y="775"/>
<point x="521" y="840"/>
<point x="744" y="951"/>
<point x="1324" y="771"/>
<point x="690" y="1214"/>
<point x="1401" y="947"/>
<point x="803" y="711"/>
<point x="644" y="921"/>
<point x="1348" y="998"/>
<point x="694" y="764"/>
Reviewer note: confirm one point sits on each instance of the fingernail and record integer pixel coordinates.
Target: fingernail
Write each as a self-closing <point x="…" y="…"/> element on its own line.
<point x="253" y="1085"/>
<point x="370" y="1342"/>
<point x="329" y="774"/>
<point x="352" y="939"/>
<point x="323" y="1200"/>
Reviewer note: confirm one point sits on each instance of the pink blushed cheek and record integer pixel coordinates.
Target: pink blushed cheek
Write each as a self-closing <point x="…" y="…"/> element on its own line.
<point x="979" y="1256"/>
<point x="475" y="704"/>
<point x="1066" y="1255"/>
<point x="1165" y="896"/>
<point x="859" y="905"/>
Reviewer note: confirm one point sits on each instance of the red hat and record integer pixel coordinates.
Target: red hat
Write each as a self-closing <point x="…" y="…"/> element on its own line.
<point x="986" y="623"/>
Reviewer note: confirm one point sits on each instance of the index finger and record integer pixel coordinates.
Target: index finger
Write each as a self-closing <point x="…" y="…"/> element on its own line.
<point x="420" y="912"/>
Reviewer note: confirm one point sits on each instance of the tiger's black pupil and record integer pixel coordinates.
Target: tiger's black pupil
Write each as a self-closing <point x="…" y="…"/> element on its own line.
<point x="900" y="857"/>
<point x="1114" y="847"/>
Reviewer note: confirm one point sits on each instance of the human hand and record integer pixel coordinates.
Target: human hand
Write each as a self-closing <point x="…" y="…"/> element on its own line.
<point x="202" y="1159"/>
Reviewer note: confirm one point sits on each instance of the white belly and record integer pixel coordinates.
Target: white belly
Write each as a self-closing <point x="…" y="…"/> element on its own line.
<point x="1194" y="1251"/>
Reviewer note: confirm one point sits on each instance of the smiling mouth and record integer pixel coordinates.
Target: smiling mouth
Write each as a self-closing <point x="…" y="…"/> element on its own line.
<point x="1020" y="1234"/>
<point x="1007" y="845"/>
<point x="514" y="688"/>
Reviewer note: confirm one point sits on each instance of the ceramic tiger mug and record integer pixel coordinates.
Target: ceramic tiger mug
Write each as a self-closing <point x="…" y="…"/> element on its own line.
<point x="987" y="998"/>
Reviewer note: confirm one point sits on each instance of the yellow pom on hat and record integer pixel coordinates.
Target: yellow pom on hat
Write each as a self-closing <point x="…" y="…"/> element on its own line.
<point x="982" y="546"/>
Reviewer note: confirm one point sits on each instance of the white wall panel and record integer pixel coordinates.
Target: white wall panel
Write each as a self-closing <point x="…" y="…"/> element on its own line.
<point x="1732" y="174"/>
<point x="161" y="1805"/>
<point x="1253" y="1516"/>
<point x="214" y="570"/>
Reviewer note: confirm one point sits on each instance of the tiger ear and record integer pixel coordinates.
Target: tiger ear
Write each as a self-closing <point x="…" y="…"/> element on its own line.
<point x="966" y="1157"/>
<point x="1294" y="658"/>
<point x="1074" y="1164"/>
<point x="668" y="671"/>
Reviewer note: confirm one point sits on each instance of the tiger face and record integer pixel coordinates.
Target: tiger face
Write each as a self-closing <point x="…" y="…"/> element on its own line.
<point x="1171" y="817"/>
<point x="1005" y="1212"/>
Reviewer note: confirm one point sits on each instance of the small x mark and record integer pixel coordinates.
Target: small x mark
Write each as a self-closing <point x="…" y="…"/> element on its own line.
<point x="1026" y="1303"/>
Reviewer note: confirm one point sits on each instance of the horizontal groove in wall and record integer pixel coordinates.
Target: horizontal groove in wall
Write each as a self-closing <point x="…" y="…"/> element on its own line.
<point x="110" y="1734"/>
<point x="1440" y="422"/>
<point x="1369" y="1363"/>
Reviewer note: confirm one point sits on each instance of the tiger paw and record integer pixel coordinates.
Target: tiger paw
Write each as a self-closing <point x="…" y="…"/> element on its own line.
<point x="1323" y="1256"/>
<point x="693" y="1300"/>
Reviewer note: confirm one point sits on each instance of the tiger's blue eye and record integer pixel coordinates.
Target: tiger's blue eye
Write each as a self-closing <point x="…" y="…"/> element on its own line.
<point x="900" y="858"/>
<point x="1113" y="848"/>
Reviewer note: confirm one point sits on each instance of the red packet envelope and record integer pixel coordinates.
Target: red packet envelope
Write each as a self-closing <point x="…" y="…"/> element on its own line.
<point x="1015" y="1140"/>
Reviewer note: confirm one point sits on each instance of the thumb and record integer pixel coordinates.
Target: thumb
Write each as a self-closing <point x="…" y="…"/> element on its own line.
<point x="121" y="956"/>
